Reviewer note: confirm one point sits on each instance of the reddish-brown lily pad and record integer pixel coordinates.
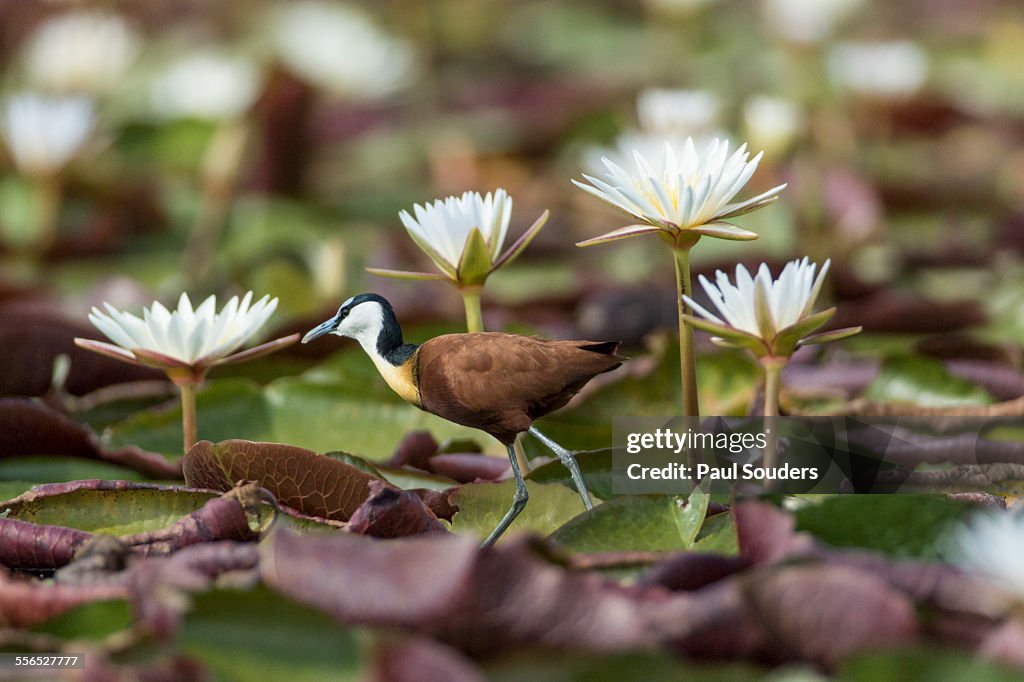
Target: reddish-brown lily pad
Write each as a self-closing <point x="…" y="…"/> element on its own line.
<point x="28" y="427"/>
<point x="33" y="338"/>
<point x="301" y="479"/>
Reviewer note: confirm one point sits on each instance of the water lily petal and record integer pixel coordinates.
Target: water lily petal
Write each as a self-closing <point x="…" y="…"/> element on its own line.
<point x="777" y="311"/>
<point x="524" y="240"/>
<point x="687" y="190"/>
<point x="721" y="331"/>
<point x="107" y="349"/>
<point x="260" y="350"/>
<point x="720" y="230"/>
<point x="442" y="229"/>
<point x="701" y="310"/>
<point x="743" y="207"/>
<point x="403" y="274"/>
<point x="832" y="335"/>
<point x="112" y="329"/>
<point x="621" y="233"/>
<point x="816" y="287"/>
<point x="185" y="341"/>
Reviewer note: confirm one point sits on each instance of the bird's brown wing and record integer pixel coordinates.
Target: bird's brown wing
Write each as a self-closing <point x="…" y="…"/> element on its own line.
<point x="500" y="383"/>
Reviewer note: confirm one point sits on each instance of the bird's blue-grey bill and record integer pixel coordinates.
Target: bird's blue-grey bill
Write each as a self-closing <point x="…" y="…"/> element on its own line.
<point x="315" y="333"/>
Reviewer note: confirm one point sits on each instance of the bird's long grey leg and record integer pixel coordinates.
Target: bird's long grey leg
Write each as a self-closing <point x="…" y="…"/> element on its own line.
<point x="518" y="501"/>
<point x="569" y="461"/>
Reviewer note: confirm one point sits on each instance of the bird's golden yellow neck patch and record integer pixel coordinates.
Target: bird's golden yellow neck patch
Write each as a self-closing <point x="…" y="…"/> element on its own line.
<point x="400" y="378"/>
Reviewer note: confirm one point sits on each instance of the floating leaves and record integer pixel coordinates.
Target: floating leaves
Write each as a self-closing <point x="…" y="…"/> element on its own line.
<point x="293" y="641"/>
<point x="24" y="604"/>
<point x="26" y="544"/>
<point x="136" y="560"/>
<point x="482" y="505"/>
<point x="30" y="545"/>
<point x="633" y="523"/>
<point x="32" y="428"/>
<point x="787" y="597"/>
<point x="391" y="513"/>
<point x="33" y="338"/>
<point x="826" y="614"/>
<point x="480" y="600"/>
<point x="113" y="507"/>
<point x="302" y="479"/>
<point x="923" y="382"/>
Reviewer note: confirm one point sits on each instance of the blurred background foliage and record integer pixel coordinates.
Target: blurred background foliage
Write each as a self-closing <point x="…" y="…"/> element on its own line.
<point x="270" y="146"/>
<point x="150" y="147"/>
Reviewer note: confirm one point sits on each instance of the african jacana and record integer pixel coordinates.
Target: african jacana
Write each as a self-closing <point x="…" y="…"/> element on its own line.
<point x="498" y="383"/>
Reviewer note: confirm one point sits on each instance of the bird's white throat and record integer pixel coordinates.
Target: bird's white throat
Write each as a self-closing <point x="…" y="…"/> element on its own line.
<point x="364" y="323"/>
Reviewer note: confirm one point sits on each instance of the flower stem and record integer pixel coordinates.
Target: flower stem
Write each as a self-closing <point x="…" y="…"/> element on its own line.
<point x="474" y="318"/>
<point x="687" y="356"/>
<point x="188" y="413"/>
<point x="772" y="384"/>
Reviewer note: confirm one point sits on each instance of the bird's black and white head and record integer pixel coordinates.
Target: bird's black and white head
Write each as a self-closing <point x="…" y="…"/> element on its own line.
<point x="370" y="320"/>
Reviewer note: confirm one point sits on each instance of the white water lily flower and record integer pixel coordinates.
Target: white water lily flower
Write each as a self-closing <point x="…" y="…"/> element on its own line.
<point x="208" y="84"/>
<point x="464" y="236"/>
<point x="991" y="546"/>
<point x="807" y="21"/>
<point x="677" y="112"/>
<point x="627" y="145"/>
<point x="85" y="51"/>
<point x="446" y="225"/>
<point x="772" y="123"/>
<point x="891" y="70"/>
<point x="185" y="342"/>
<point x="684" y="195"/>
<point x="44" y="133"/>
<point x="664" y="116"/>
<point x="338" y="48"/>
<point x="769" y="316"/>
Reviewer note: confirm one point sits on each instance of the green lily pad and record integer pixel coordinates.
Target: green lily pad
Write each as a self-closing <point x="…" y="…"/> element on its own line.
<point x="482" y="505"/>
<point x="925" y="665"/>
<point x="9" y="489"/>
<point x="325" y="417"/>
<point x="635" y="523"/>
<point x="117" y="512"/>
<point x="260" y="635"/>
<point x="93" y="620"/>
<point x="900" y="525"/>
<point x="717" y="535"/>
<point x="923" y="382"/>
<point x="225" y="409"/>
<point x="44" y="469"/>
<point x="596" y="468"/>
<point x="408" y="479"/>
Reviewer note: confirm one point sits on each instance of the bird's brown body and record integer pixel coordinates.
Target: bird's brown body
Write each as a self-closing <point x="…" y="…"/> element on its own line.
<point x="500" y="383"/>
